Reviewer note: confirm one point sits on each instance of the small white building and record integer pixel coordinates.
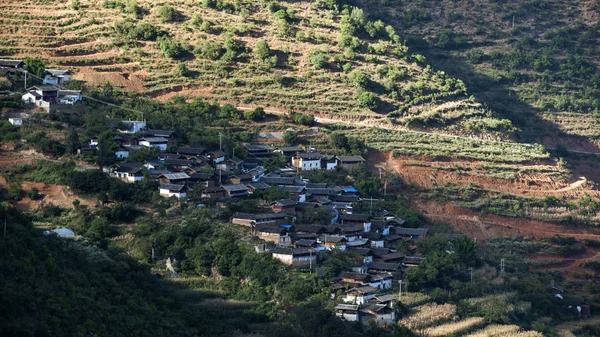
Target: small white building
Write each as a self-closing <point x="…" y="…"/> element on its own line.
<point x="132" y="126"/>
<point x="360" y="295"/>
<point x="69" y="96"/>
<point x="172" y="190"/>
<point x="307" y="161"/>
<point x="296" y="257"/>
<point x="349" y="312"/>
<point x="129" y="173"/>
<point x="56" y="76"/>
<point x="15" y="121"/>
<point x="94" y="141"/>
<point x="159" y="143"/>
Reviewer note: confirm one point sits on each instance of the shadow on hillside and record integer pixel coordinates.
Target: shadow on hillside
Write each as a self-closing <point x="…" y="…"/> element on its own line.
<point x="495" y="95"/>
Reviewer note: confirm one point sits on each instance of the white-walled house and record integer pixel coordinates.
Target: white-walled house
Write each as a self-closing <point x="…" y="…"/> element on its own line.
<point x="15" y="121"/>
<point x="307" y="161"/>
<point x="159" y="143"/>
<point x="56" y="76"/>
<point x="128" y="172"/>
<point x="131" y="126"/>
<point x="360" y="295"/>
<point x="349" y="312"/>
<point x="296" y="257"/>
<point x="173" y="190"/>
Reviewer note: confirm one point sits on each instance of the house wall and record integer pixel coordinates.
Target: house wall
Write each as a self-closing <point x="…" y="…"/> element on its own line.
<point x="377" y="244"/>
<point x="15" y="121"/>
<point x="307" y="165"/>
<point x="121" y="154"/>
<point x="358" y="299"/>
<point x="331" y="166"/>
<point x="28" y="98"/>
<point x="271" y="237"/>
<point x="304" y="260"/>
<point x="351" y="317"/>
<point x="168" y="194"/>
<point x="55" y="80"/>
<point x="161" y="147"/>
<point x="219" y="160"/>
<point x="283" y="258"/>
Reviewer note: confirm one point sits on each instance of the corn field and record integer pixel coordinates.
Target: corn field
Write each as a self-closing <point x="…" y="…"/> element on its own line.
<point x="429" y="314"/>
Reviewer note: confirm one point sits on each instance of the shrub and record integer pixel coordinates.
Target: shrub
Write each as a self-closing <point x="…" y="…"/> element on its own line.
<point x="197" y="20"/>
<point x="367" y="100"/>
<point x="34" y="194"/>
<point x="169" y="47"/>
<point x="318" y="58"/>
<point x="182" y="70"/>
<point x="15" y="192"/>
<point x="146" y="31"/>
<point x="262" y="50"/>
<point x="168" y="14"/>
<point x="254" y="115"/>
<point x="358" y="78"/>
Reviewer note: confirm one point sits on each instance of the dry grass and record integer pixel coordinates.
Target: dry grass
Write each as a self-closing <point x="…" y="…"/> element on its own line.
<point x="496" y="331"/>
<point x="413" y="299"/>
<point x="453" y="328"/>
<point x="428" y="314"/>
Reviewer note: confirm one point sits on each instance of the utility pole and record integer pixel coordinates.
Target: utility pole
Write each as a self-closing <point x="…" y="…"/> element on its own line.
<point x="310" y="260"/>
<point x="471" y="270"/>
<point x="25" y="79"/>
<point x="220" y="141"/>
<point x="502" y="266"/>
<point x="513" y="24"/>
<point x="400" y="289"/>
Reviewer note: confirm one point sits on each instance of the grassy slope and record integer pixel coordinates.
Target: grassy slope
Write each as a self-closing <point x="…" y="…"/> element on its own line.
<point x="410" y="94"/>
<point x="541" y="73"/>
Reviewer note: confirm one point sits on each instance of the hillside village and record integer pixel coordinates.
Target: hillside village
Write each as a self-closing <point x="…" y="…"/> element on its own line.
<point x="243" y="232"/>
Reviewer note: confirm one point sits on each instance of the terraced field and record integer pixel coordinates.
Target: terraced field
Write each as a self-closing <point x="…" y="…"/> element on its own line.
<point x="428" y="319"/>
<point x="312" y="73"/>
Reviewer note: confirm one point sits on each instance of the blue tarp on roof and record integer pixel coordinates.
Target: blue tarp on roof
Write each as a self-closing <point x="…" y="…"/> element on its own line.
<point x="286" y="225"/>
<point x="350" y="190"/>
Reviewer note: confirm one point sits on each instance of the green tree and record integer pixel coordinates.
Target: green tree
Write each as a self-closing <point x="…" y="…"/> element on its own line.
<point x="255" y="114"/>
<point x="227" y="253"/>
<point x="73" y="142"/>
<point x="368" y="100"/>
<point x="106" y="149"/>
<point x="338" y="140"/>
<point x="262" y="49"/>
<point x="290" y="137"/>
<point x="35" y="65"/>
<point x="168" y="14"/>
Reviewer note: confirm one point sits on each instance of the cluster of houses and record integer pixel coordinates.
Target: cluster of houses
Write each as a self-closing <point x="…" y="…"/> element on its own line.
<point x="217" y="178"/>
<point x="362" y="288"/>
<point x="48" y="96"/>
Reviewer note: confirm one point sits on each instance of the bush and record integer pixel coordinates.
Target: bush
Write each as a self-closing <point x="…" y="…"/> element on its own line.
<point x="15" y="192"/>
<point x="182" y="70"/>
<point x="262" y="50"/>
<point x="358" y="78"/>
<point x="254" y="115"/>
<point x="34" y="194"/>
<point x="318" y="59"/>
<point x="168" y="14"/>
<point x="146" y="31"/>
<point x="169" y="47"/>
<point x="367" y="100"/>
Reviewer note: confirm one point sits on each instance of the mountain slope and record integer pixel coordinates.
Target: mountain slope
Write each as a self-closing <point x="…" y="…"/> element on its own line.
<point x="291" y="55"/>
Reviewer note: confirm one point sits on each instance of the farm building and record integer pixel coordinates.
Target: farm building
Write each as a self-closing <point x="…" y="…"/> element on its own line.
<point x="56" y="76"/>
<point x="173" y="190"/>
